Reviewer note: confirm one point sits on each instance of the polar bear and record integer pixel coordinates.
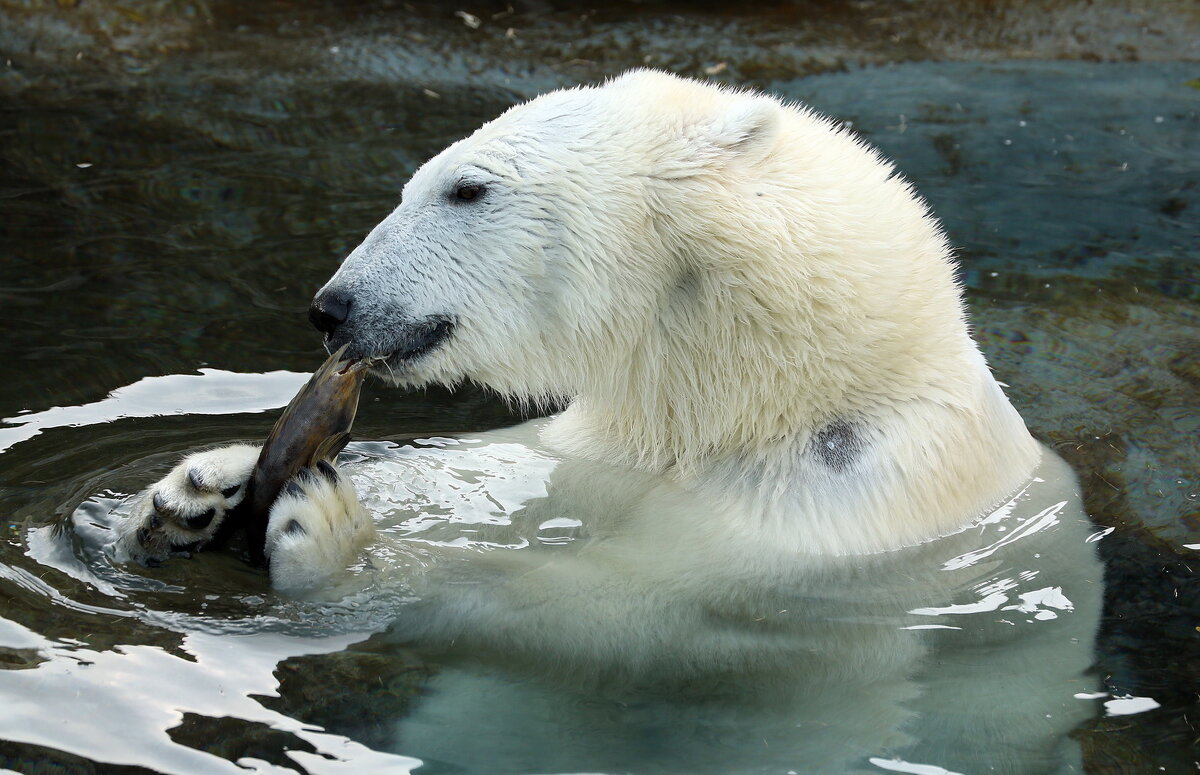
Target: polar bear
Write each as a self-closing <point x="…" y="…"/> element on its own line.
<point x="788" y="473"/>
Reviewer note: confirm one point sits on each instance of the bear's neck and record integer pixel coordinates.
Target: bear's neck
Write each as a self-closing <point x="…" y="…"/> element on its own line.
<point x="864" y="418"/>
<point x="731" y="362"/>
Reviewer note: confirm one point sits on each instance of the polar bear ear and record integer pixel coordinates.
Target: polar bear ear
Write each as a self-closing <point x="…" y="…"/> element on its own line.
<point x="748" y="129"/>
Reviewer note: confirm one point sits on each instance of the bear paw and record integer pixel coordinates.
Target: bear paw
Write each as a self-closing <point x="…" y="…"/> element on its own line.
<point x="315" y="528"/>
<point x="184" y="510"/>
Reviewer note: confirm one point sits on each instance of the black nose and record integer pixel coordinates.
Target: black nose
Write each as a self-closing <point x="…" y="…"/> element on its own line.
<point x="329" y="310"/>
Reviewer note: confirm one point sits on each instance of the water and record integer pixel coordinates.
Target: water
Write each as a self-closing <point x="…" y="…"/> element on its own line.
<point x="167" y="216"/>
<point x="874" y="656"/>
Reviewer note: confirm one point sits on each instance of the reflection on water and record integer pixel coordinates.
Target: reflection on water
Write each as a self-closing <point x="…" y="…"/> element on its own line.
<point x="211" y="392"/>
<point x="126" y="705"/>
<point x="166" y="216"/>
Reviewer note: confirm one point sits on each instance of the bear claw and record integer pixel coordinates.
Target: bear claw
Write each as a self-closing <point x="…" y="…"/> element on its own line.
<point x="160" y="505"/>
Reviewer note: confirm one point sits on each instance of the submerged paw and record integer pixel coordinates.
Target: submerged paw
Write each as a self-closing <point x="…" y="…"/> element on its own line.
<point x="183" y="511"/>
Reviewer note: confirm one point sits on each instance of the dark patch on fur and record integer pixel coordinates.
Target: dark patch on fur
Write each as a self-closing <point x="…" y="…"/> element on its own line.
<point x="838" y="445"/>
<point x="687" y="285"/>
<point x="681" y="299"/>
<point x="328" y="471"/>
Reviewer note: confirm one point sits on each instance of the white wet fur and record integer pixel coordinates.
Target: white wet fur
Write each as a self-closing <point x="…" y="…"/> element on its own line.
<point x="778" y="432"/>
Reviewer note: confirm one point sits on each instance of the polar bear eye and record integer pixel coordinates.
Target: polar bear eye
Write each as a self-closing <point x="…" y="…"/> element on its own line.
<point x="468" y="192"/>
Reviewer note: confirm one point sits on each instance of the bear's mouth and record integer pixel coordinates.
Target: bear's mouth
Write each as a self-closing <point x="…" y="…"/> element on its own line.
<point x="391" y="351"/>
<point x="418" y="340"/>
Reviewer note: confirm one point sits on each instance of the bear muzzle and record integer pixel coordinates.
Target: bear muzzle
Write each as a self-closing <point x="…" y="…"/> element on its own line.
<point x="376" y="337"/>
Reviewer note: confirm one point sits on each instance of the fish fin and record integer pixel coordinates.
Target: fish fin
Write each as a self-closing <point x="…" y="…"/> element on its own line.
<point x="329" y="448"/>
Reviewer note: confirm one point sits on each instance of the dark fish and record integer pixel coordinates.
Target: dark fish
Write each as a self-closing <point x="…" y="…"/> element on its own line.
<point x="315" y="426"/>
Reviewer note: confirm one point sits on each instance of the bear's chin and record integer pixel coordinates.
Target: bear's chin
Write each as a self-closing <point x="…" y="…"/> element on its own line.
<point x="401" y="372"/>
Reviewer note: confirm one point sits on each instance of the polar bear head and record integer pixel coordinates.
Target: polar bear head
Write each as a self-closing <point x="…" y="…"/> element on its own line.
<point x="695" y="268"/>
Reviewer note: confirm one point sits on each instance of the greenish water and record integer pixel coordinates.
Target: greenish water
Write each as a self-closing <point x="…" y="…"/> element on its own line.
<point x="172" y="220"/>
